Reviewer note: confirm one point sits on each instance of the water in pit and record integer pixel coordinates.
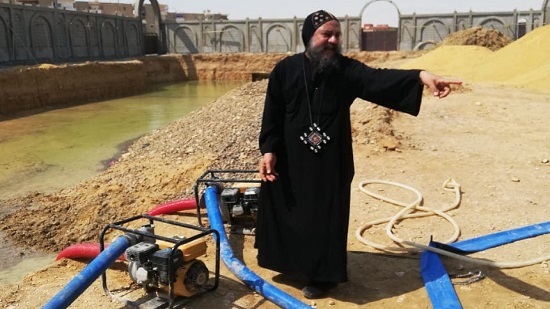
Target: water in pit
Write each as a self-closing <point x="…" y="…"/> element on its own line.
<point x="60" y="148"/>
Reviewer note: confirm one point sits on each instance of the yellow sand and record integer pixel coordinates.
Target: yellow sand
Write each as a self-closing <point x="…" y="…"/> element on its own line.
<point x="524" y="63"/>
<point x="457" y="60"/>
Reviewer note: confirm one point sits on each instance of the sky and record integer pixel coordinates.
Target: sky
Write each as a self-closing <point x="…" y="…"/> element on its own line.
<point x="380" y="12"/>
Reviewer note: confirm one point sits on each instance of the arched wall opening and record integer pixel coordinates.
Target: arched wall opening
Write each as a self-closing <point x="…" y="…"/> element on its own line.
<point x="546" y="13"/>
<point x="153" y="28"/>
<point x="380" y="34"/>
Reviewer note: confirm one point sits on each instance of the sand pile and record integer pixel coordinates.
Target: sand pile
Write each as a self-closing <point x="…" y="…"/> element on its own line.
<point x="451" y="60"/>
<point x="524" y="63"/>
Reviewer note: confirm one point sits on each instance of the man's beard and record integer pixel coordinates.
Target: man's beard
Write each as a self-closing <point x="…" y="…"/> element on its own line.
<point x="320" y="61"/>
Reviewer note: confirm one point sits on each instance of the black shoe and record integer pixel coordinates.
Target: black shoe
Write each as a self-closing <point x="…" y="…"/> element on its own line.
<point x="317" y="289"/>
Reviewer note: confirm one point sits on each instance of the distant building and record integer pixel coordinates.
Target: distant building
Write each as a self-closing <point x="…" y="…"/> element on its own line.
<point x="379" y="38"/>
<point x="191" y="17"/>
<point x="42" y="3"/>
<point x="122" y="9"/>
<point x="119" y="9"/>
<point x="61" y="4"/>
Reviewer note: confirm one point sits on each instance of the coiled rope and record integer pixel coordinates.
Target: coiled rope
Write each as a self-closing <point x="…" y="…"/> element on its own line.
<point x="405" y="246"/>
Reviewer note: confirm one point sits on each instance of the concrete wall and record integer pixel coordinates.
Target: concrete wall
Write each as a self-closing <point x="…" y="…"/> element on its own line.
<point x="32" y="35"/>
<point x="255" y="36"/>
<point x="424" y="31"/>
<point x="283" y="35"/>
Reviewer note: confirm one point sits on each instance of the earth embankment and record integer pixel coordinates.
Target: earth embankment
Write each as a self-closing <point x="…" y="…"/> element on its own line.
<point x="46" y="86"/>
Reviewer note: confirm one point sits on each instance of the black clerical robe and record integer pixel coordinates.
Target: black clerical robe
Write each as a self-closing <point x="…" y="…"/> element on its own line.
<point x="303" y="216"/>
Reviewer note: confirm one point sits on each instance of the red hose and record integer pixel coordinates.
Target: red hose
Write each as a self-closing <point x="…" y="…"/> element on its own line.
<point x="172" y="207"/>
<point x="91" y="250"/>
<point x="82" y="251"/>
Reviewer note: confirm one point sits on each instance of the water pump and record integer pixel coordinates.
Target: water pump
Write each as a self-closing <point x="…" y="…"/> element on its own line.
<point x="239" y="194"/>
<point x="155" y="268"/>
<point x="168" y="268"/>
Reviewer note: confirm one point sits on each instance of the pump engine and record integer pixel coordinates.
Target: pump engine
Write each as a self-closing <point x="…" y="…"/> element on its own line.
<point x="153" y="267"/>
<point x="238" y="198"/>
<point x="240" y="205"/>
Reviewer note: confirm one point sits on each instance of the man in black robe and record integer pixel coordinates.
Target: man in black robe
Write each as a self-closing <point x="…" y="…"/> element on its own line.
<point x="306" y="145"/>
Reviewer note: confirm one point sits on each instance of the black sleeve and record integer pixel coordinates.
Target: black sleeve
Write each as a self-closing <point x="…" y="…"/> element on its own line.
<point x="271" y="133"/>
<point x="400" y="90"/>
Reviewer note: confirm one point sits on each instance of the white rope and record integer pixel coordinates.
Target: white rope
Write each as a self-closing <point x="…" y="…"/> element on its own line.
<point x="407" y="213"/>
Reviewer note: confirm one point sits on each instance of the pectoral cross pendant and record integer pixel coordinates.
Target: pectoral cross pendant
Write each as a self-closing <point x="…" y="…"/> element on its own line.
<point x="315" y="138"/>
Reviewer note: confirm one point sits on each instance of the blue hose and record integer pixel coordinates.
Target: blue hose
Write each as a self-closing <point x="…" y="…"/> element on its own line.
<point x="252" y="280"/>
<point x="436" y="280"/>
<point x="489" y="241"/>
<point x="87" y="276"/>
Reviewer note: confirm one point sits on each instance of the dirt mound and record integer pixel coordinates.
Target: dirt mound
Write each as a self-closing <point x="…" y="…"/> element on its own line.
<point x="479" y="36"/>
<point x="159" y="167"/>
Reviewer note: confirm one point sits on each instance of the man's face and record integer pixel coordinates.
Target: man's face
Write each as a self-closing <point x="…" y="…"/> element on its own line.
<point x="326" y="39"/>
